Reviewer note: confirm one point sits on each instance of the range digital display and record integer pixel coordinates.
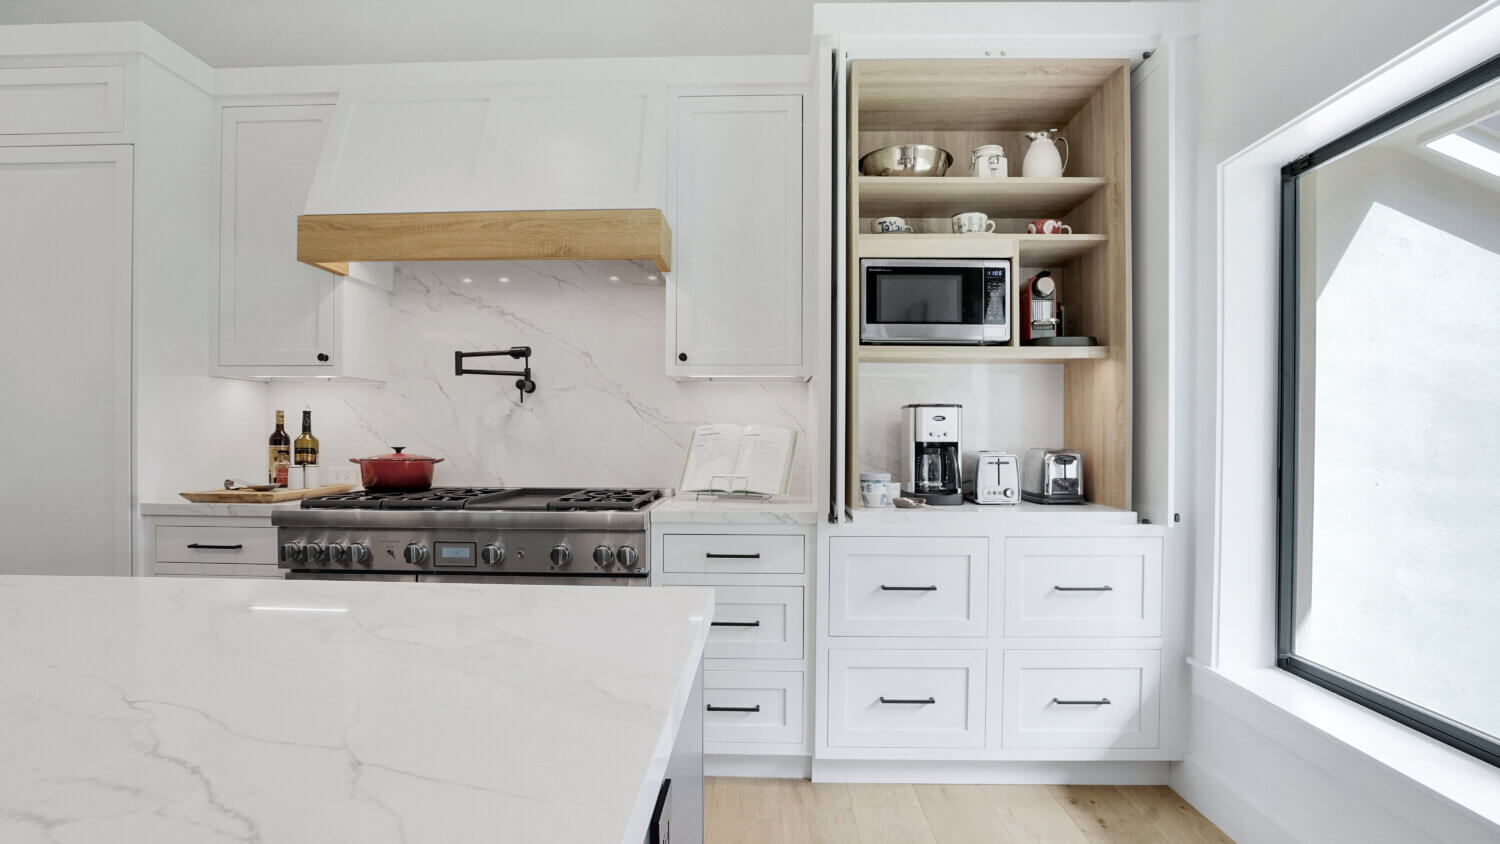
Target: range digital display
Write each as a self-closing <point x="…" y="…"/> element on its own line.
<point x="454" y="554"/>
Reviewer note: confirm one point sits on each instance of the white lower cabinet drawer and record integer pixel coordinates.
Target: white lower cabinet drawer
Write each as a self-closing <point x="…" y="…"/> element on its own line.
<point x="1081" y="699"/>
<point x="908" y="586"/>
<point x="1083" y="587"/>
<point x="217" y="544"/>
<point x="733" y="553"/>
<point x="756" y="622"/>
<point x="880" y="698"/>
<point x="762" y="707"/>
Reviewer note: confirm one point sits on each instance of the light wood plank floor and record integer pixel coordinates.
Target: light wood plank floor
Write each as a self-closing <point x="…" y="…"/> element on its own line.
<point x="759" y="811"/>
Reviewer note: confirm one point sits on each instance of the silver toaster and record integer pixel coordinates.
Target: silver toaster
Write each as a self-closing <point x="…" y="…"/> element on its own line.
<point x="1052" y="476"/>
<point x="997" y="478"/>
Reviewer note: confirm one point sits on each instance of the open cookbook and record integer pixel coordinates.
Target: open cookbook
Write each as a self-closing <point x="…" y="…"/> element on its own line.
<point x="740" y="458"/>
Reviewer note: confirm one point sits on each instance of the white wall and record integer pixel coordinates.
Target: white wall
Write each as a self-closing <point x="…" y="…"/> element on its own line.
<point x="604" y="413"/>
<point x="189" y="427"/>
<point x="1260" y="65"/>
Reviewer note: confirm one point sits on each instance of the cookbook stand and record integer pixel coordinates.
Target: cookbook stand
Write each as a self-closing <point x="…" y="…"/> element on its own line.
<point x="728" y="492"/>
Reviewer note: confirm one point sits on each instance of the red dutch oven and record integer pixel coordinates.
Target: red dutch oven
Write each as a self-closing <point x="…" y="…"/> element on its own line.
<point x="396" y="472"/>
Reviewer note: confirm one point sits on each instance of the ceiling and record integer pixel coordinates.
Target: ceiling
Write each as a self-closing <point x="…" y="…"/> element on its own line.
<point x="249" y="33"/>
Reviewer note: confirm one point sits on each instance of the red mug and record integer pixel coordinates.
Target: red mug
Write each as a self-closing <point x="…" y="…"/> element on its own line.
<point x="1048" y="225"/>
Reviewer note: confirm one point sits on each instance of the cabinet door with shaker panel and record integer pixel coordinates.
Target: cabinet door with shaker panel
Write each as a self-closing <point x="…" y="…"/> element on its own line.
<point x="736" y="301"/>
<point x="276" y="315"/>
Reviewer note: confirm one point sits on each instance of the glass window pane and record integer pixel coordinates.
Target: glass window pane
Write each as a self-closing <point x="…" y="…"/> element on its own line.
<point x="1397" y="576"/>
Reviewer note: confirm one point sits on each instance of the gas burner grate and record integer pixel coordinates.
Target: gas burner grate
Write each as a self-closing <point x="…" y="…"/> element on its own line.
<point x="605" y="499"/>
<point x="441" y="498"/>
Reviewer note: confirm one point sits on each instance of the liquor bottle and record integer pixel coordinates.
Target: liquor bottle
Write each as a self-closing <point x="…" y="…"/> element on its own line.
<point x="307" y="444"/>
<point x="280" y="456"/>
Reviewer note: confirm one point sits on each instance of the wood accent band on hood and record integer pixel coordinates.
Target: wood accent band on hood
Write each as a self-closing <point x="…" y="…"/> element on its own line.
<point x="331" y="241"/>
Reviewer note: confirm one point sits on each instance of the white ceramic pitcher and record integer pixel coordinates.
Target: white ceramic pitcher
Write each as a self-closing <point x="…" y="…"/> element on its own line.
<point x="1042" y="159"/>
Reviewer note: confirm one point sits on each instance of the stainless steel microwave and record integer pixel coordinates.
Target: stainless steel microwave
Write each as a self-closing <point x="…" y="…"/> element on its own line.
<point x="935" y="300"/>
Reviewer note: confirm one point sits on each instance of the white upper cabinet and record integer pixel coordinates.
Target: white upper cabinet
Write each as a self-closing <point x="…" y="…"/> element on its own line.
<point x="487" y="148"/>
<point x="277" y="316"/>
<point x="737" y="303"/>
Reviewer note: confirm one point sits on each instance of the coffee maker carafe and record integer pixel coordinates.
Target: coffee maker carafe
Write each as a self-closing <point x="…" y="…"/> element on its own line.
<point x="931" y="460"/>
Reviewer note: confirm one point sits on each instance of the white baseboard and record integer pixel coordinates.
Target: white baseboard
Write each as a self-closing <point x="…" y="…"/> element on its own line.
<point x="1219" y="801"/>
<point x="758" y="767"/>
<point x="998" y="773"/>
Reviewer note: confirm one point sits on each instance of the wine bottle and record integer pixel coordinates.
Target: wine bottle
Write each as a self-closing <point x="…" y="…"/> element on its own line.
<point x="280" y="456"/>
<point x="307" y="444"/>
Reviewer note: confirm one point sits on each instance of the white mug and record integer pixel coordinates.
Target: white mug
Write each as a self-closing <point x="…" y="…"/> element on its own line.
<point x="296" y="478"/>
<point x="889" y="225"/>
<point x="972" y="222"/>
<point x="988" y="162"/>
<point x="311" y="477"/>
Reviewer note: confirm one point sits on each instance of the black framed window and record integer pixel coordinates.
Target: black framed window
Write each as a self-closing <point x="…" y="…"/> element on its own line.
<point x="1389" y="510"/>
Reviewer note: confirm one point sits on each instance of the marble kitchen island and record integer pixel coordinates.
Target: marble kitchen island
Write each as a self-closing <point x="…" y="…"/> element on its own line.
<point x="167" y="709"/>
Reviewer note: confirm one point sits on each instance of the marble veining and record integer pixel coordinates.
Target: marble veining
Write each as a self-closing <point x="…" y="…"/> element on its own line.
<point x="184" y="710"/>
<point x="604" y="412"/>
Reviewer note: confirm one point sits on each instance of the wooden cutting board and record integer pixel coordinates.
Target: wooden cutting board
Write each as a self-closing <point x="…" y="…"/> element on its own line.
<point x="250" y="496"/>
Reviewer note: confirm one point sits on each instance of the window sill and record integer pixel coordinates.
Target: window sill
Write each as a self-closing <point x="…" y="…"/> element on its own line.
<point x="1346" y="739"/>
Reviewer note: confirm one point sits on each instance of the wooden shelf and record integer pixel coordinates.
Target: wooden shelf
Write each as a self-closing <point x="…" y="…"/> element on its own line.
<point x="910" y="196"/>
<point x="1054" y="250"/>
<point x="1033" y="250"/>
<point x="980" y="354"/>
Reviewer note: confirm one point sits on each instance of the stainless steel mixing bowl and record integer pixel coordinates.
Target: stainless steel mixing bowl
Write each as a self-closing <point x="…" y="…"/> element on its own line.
<point x="906" y="160"/>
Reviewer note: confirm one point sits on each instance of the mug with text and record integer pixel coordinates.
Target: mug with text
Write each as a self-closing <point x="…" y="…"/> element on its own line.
<point x="889" y="225"/>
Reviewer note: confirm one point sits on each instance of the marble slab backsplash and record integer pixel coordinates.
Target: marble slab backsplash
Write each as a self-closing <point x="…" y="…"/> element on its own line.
<point x="603" y="414"/>
<point x="992" y="418"/>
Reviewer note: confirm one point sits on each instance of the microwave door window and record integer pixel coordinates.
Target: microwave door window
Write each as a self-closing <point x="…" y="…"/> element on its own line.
<point x="919" y="299"/>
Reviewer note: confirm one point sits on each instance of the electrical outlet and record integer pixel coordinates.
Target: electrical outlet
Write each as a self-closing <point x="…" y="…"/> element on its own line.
<point x="344" y="476"/>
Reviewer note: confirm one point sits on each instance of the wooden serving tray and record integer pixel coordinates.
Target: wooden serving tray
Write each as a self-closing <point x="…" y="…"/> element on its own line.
<point x="250" y="496"/>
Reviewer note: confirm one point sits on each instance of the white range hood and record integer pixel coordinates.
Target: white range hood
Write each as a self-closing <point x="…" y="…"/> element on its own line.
<point x="490" y="173"/>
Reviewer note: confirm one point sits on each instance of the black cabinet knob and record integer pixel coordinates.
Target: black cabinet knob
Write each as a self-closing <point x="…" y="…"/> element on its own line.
<point x="682" y="356"/>
<point x="322" y="357"/>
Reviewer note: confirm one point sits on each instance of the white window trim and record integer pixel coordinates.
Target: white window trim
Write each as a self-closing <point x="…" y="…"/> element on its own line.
<point x="1242" y="653"/>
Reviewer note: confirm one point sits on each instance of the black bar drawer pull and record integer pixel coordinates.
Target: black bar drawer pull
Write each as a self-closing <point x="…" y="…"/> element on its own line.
<point x="205" y="547"/>
<point x="712" y="708"/>
<point x="1084" y="588"/>
<point x="755" y="623"/>
<point x="906" y="700"/>
<point x="712" y="556"/>
<point x="1103" y="701"/>
<point x="885" y="588"/>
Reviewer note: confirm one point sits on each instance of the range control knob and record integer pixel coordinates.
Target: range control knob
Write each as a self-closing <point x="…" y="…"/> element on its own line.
<point x="312" y="552"/>
<point x="415" y="553"/>
<point x="604" y="556"/>
<point x="561" y="555"/>
<point x="338" y="552"/>
<point x="627" y="556"/>
<point x="291" y="552"/>
<point x="492" y="555"/>
<point x="359" y="554"/>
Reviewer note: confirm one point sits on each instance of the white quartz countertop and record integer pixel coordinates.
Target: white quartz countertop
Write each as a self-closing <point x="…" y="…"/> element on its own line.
<point x="204" y="710"/>
<point x="1024" y="514"/>
<point x="688" y="507"/>
<point x="182" y="507"/>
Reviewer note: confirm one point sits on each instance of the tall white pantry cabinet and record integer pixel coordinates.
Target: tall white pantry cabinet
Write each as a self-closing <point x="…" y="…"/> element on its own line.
<point x="1015" y="644"/>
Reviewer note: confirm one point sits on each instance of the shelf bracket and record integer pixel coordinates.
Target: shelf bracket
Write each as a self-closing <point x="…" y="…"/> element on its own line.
<point x="524" y="384"/>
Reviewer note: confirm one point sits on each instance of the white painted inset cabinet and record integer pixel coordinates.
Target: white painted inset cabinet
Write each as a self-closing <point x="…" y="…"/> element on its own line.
<point x="277" y="316"/>
<point x="738" y="304"/>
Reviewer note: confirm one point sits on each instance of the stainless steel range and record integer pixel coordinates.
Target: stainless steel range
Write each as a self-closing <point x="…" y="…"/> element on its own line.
<point x="489" y="535"/>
